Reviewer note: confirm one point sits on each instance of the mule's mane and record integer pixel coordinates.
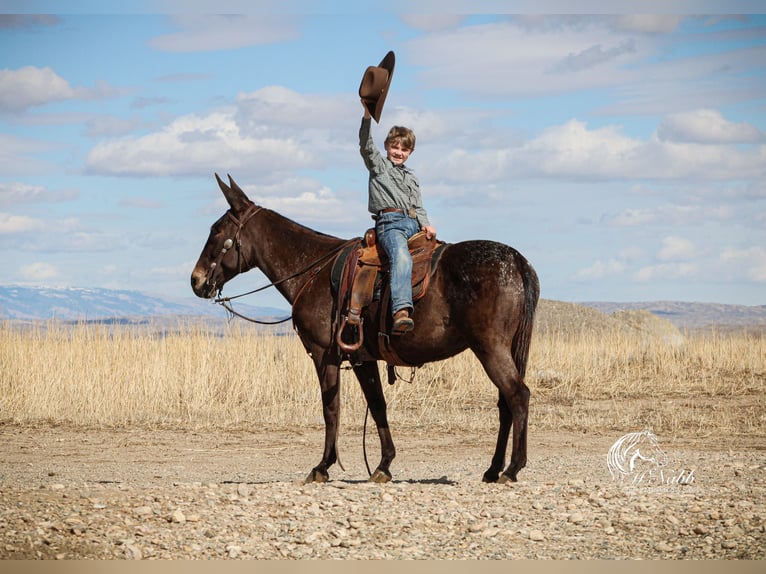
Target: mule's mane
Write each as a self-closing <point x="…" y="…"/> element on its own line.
<point x="299" y="227"/>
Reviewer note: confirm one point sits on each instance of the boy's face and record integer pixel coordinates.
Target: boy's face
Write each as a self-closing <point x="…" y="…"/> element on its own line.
<point x="397" y="154"/>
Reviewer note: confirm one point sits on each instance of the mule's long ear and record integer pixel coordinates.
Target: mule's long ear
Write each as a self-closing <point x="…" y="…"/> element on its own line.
<point x="224" y="188"/>
<point x="234" y="195"/>
<point x="234" y="186"/>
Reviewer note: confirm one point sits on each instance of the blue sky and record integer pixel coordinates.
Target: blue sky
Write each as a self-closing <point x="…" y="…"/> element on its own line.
<point x="623" y="154"/>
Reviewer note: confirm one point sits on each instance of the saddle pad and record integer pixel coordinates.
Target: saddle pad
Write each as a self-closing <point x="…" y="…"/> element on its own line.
<point x="340" y="261"/>
<point x="339" y="264"/>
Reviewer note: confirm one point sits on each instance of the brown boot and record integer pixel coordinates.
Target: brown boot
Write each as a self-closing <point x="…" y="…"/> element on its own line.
<point x="402" y="322"/>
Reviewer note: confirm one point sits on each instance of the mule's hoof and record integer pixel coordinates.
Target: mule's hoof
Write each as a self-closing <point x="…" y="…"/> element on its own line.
<point x="380" y="476"/>
<point x="489" y="476"/>
<point x="316" y="475"/>
<point x="506" y="478"/>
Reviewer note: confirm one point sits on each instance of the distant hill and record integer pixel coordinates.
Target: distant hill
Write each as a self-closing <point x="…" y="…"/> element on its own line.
<point x="570" y="318"/>
<point x="95" y="304"/>
<point x="695" y="316"/>
<point x="116" y="306"/>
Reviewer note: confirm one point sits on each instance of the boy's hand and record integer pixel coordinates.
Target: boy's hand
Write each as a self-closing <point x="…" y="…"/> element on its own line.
<point x="430" y="232"/>
<point x="367" y="115"/>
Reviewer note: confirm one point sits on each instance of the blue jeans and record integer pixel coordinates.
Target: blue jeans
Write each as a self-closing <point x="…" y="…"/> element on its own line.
<point x="393" y="231"/>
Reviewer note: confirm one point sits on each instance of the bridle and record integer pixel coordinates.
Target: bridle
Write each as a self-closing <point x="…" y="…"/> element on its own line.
<point x="236" y="242"/>
<point x="229" y="243"/>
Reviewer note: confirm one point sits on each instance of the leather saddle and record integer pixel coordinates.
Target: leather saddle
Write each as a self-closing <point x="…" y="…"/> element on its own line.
<point x="358" y="275"/>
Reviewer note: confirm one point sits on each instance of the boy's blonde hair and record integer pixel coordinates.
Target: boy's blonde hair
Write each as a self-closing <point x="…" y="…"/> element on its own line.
<point x="404" y="136"/>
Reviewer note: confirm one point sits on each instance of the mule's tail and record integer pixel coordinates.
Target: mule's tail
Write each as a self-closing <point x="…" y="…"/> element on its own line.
<point x="523" y="337"/>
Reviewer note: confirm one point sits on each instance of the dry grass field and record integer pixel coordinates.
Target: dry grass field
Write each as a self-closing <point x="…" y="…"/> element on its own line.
<point x="587" y="372"/>
<point x="150" y="442"/>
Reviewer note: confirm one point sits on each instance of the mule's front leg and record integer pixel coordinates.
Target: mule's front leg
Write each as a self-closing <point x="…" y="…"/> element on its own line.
<point x="369" y="379"/>
<point x="329" y="380"/>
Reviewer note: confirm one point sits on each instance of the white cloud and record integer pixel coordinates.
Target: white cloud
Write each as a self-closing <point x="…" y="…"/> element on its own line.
<point x="39" y="271"/>
<point x="59" y="235"/>
<point x="109" y="126"/>
<point x="173" y="271"/>
<point x="14" y="192"/>
<point x="752" y="260"/>
<point x="675" y="249"/>
<point x="83" y="241"/>
<point x="599" y="270"/>
<point x="31" y="86"/>
<point x="199" y="145"/>
<point x="213" y="32"/>
<point x="673" y="215"/>
<point x="455" y="128"/>
<point x="510" y="59"/>
<point x="142" y="203"/>
<point x="572" y="150"/>
<point x="277" y="106"/>
<point x="619" y="55"/>
<point x="647" y="23"/>
<point x="708" y="81"/>
<point x="302" y="199"/>
<point x="633" y="218"/>
<point x="12" y="224"/>
<point x="666" y="271"/>
<point x="265" y="134"/>
<point x="275" y="131"/>
<point x="632" y="23"/>
<point x="593" y="56"/>
<point x="432" y="21"/>
<point x="707" y="127"/>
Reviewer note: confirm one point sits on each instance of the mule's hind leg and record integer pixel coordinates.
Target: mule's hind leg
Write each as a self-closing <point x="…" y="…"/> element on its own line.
<point x="513" y="405"/>
<point x="498" y="460"/>
<point x="520" y="413"/>
<point x="369" y="379"/>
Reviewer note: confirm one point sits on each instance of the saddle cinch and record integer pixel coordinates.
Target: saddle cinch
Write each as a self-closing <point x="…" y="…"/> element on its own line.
<point x="357" y="284"/>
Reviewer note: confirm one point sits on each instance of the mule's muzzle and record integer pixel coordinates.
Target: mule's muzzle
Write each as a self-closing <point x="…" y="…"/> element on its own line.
<point x="201" y="285"/>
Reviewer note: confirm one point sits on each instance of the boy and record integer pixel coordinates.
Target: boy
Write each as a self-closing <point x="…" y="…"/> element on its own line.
<point x="397" y="208"/>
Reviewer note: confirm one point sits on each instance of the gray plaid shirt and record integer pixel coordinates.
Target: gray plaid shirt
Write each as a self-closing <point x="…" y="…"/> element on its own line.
<point x="390" y="185"/>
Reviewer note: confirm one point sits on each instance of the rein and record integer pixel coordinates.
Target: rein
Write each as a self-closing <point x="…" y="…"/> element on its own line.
<point x="315" y="267"/>
<point x="229" y="243"/>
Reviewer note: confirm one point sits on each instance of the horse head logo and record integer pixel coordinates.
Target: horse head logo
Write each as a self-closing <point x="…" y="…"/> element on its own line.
<point x="637" y="454"/>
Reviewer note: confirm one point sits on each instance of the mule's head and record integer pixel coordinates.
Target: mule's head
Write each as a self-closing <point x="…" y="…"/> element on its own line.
<point x="224" y="256"/>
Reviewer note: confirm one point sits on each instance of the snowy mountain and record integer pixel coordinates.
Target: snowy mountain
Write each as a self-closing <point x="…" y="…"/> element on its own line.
<point x="113" y="305"/>
<point x="79" y="303"/>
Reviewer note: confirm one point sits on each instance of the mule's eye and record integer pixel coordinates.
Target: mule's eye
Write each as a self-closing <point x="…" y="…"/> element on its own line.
<point x="227" y="244"/>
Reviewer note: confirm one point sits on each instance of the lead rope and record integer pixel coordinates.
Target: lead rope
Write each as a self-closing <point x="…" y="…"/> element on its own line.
<point x="364" y="442"/>
<point x="225" y="302"/>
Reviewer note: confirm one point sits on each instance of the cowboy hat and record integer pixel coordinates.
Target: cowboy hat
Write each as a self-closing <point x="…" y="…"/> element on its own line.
<point x="374" y="87"/>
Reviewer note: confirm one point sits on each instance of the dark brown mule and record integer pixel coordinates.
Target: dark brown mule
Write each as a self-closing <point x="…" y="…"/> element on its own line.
<point x="482" y="297"/>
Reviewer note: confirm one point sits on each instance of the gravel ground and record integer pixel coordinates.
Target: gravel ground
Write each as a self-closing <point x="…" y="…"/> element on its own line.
<point x="139" y="494"/>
